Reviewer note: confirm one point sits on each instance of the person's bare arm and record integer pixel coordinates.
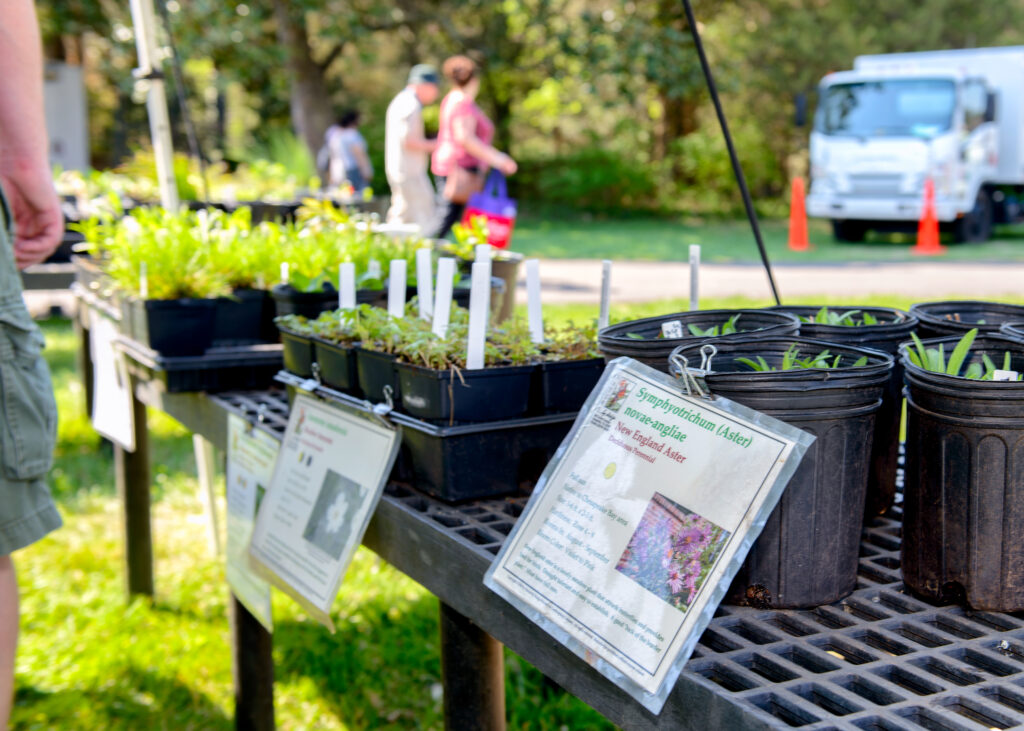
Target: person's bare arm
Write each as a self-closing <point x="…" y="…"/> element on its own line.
<point x="363" y="161"/>
<point x="415" y="143"/>
<point x="464" y="132"/>
<point x="24" y="165"/>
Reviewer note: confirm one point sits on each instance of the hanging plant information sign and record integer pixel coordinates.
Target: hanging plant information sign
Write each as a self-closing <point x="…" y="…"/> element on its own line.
<point x="328" y="478"/>
<point x="641" y="521"/>
<point x="250" y="465"/>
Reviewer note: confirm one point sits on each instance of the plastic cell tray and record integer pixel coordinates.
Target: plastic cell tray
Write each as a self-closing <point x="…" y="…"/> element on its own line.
<point x="218" y="369"/>
<point x="879" y="659"/>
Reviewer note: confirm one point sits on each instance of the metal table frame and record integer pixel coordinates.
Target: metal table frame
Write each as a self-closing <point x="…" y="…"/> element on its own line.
<point x="879" y="659"/>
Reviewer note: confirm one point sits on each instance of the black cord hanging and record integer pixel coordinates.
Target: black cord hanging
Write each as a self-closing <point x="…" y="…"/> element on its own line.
<point x="737" y="170"/>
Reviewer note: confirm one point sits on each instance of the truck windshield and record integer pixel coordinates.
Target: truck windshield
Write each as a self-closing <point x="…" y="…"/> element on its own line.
<point x="890" y="108"/>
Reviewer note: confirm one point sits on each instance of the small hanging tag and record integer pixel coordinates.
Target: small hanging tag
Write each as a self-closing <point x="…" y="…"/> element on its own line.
<point x="396" y="288"/>
<point x="606" y="287"/>
<point x="443" y="296"/>
<point x="533" y="308"/>
<point x="347" y="285"/>
<point x="424" y="283"/>
<point x="672" y="330"/>
<point x="1000" y="375"/>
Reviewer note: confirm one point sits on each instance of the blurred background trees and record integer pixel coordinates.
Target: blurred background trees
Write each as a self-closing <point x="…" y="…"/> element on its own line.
<point x="602" y="101"/>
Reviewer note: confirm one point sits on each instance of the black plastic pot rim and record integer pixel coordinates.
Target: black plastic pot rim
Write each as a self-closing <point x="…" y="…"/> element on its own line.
<point x="443" y="373"/>
<point x="922" y="311"/>
<point x="609" y="335"/>
<point x="738" y="347"/>
<point x="883" y="330"/>
<point x="153" y="303"/>
<point x="968" y="422"/>
<point x="833" y="412"/>
<point x="333" y="343"/>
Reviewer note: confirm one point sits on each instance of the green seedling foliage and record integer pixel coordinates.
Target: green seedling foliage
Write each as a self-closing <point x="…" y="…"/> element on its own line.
<point x="791" y="360"/>
<point x="826" y="316"/>
<point x="572" y="342"/>
<point x="726" y="328"/>
<point x="933" y="359"/>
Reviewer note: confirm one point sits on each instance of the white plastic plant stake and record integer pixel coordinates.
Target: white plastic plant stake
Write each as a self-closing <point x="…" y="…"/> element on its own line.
<point x="694" y="276"/>
<point x="143" y="281"/>
<point x="479" y="306"/>
<point x="533" y="308"/>
<point x="373" y="269"/>
<point x="606" y="292"/>
<point x="347" y="285"/>
<point x="285" y="274"/>
<point x="396" y="288"/>
<point x="443" y="295"/>
<point x="424" y="283"/>
<point x="483" y="252"/>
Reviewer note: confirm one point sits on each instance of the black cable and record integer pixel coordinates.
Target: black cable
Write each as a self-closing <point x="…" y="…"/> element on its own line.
<point x="179" y="87"/>
<point x="737" y="170"/>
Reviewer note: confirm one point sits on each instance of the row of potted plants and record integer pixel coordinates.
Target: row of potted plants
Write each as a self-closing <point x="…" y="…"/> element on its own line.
<point x="367" y="353"/>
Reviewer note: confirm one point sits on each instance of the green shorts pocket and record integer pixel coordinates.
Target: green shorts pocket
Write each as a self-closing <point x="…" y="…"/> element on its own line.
<point x="29" y="430"/>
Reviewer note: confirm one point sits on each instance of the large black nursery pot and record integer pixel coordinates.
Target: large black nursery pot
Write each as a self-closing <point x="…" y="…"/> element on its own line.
<point x="956" y="317"/>
<point x="247" y="316"/>
<point x="290" y="301"/>
<point x="894" y="327"/>
<point x="465" y="396"/>
<point x="170" y="327"/>
<point x="963" y="509"/>
<point x="653" y="350"/>
<point x="807" y="553"/>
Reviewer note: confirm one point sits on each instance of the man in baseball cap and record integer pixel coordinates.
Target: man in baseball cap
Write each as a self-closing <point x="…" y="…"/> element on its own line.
<point x="407" y="150"/>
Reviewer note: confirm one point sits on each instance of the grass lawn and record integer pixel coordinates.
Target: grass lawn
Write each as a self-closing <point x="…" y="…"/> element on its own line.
<point x="656" y="239"/>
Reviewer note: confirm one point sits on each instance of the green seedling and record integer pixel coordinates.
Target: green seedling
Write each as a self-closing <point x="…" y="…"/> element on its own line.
<point x="934" y="360"/>
<point x="825" y="316"/>
<point x="726" y="328"/>
<point x="791" y="360"/>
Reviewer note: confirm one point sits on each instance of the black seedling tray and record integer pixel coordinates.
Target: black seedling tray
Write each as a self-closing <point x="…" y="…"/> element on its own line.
<point x="219" y="369"/>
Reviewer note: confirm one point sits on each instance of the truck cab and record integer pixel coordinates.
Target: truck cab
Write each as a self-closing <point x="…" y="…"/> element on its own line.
<point x="896" y="120"/>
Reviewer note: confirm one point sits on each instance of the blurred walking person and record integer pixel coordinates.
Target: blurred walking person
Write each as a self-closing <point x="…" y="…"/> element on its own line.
<point x="406" y="150"/>
<point x="349" y="159"/>
<point x="464" y="151"/>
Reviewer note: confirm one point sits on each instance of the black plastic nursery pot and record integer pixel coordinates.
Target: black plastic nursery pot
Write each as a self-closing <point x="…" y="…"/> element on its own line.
<point x="246" y="316"/>
<point x="170" y="327"/>
<point x="653" y="350"/>
<point x="894" y="328"/>
<point x="375" y="371"/>
<point x="476" y="461"/>
<point x="337" y="364"/>
<point x="963" y="512"/>
<point x="218" y="369"/>
<point x="465" y="396"/>
<point x="1014" y="329"/>
<point x="807" y="553"/>
<point x="956" y="317"/>
<point x="297" y="351"/>
<point x="561" y="386"/>
<point x="290" y="301"/>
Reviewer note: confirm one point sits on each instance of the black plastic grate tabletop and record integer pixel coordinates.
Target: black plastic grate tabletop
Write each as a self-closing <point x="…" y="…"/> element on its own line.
<point x="879" y="659"/>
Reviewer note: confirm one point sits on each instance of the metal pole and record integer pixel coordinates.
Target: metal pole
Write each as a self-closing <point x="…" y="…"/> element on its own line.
<point x="156" y="100"/>
<point x="737" y="170"/>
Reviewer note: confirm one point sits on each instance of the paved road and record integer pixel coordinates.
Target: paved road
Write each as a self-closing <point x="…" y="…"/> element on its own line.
<point x="579" y="280"/>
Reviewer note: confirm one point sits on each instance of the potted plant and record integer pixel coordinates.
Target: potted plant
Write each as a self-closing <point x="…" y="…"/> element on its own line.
<point x="881" y="328"/>
<point x="504" y="266"/>
<point x="962" y="512"/>
<point x="956" y="317"/>
<point x="807" y="553"/>
<point x="569" y="368"/>
<point x="334" y="337"/>
<point x="646" y="340"/>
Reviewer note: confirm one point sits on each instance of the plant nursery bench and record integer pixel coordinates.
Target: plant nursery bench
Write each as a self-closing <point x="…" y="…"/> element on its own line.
<point x="880" y="659"/>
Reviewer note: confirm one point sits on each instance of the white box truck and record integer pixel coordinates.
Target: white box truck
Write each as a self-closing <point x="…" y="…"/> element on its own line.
<point x="897" y="119"/>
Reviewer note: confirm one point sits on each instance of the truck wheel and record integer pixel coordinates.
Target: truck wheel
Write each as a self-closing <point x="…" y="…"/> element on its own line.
<point x="976" y="225"/>
<point x="851" y="231"/>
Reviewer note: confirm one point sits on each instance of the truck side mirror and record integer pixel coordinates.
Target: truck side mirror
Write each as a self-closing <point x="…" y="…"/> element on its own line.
<point x="990" y="107"/>
<point x="800" y="110"/>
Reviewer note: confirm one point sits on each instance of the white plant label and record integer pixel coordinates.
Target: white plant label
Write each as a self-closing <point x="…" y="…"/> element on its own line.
<point x="347" y="285"/>
<point x="639" y="524"/>
<point x="1001" y="375"/>
<point x="694" y="277"/>
<point x="327" y="480"/>
<point x="672" y="329"/>
<point x="534" y="312"/>
<point x="443" y="297"/>
<point x="479" y="312"/>
<point x="424" y="283"/>
<point x="606" y="290"/>
<point x="250" y="465"/>
<point x="112" y="412"/>
<point x="396" y="288"/>
<point x="373" y="269"/>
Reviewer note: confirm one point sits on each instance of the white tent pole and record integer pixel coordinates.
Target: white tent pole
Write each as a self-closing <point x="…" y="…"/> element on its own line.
<point x="156" y="100"/>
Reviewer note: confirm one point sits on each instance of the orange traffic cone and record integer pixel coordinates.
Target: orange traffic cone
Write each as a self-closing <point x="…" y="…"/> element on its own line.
<point x="797" y="217"/>
<point x="928" y="227"/>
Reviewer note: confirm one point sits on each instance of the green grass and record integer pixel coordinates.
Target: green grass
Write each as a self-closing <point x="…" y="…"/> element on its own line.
<point x="661" y="239"/>
<point x="89" y="660"/>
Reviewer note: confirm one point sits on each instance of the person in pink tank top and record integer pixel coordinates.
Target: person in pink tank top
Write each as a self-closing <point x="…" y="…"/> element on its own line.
<point x="463" y="141"/>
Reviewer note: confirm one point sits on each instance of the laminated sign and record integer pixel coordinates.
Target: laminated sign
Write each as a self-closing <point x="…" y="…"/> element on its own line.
<point x="641" y="521"/>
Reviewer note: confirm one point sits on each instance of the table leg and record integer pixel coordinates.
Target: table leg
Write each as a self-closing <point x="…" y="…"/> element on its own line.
<point x="205" y="461"/>
<point x="131" y="473"/>
<point x="473" y="672"/>
<point x="252" y="665"/>
<point x="84" y="358"/>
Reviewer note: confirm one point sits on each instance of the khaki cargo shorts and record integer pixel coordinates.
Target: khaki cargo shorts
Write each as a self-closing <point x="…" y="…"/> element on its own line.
<point x="28" y="414"/>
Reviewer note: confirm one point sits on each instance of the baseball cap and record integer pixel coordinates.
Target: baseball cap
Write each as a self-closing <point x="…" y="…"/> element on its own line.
<point x="423" y="73"/>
